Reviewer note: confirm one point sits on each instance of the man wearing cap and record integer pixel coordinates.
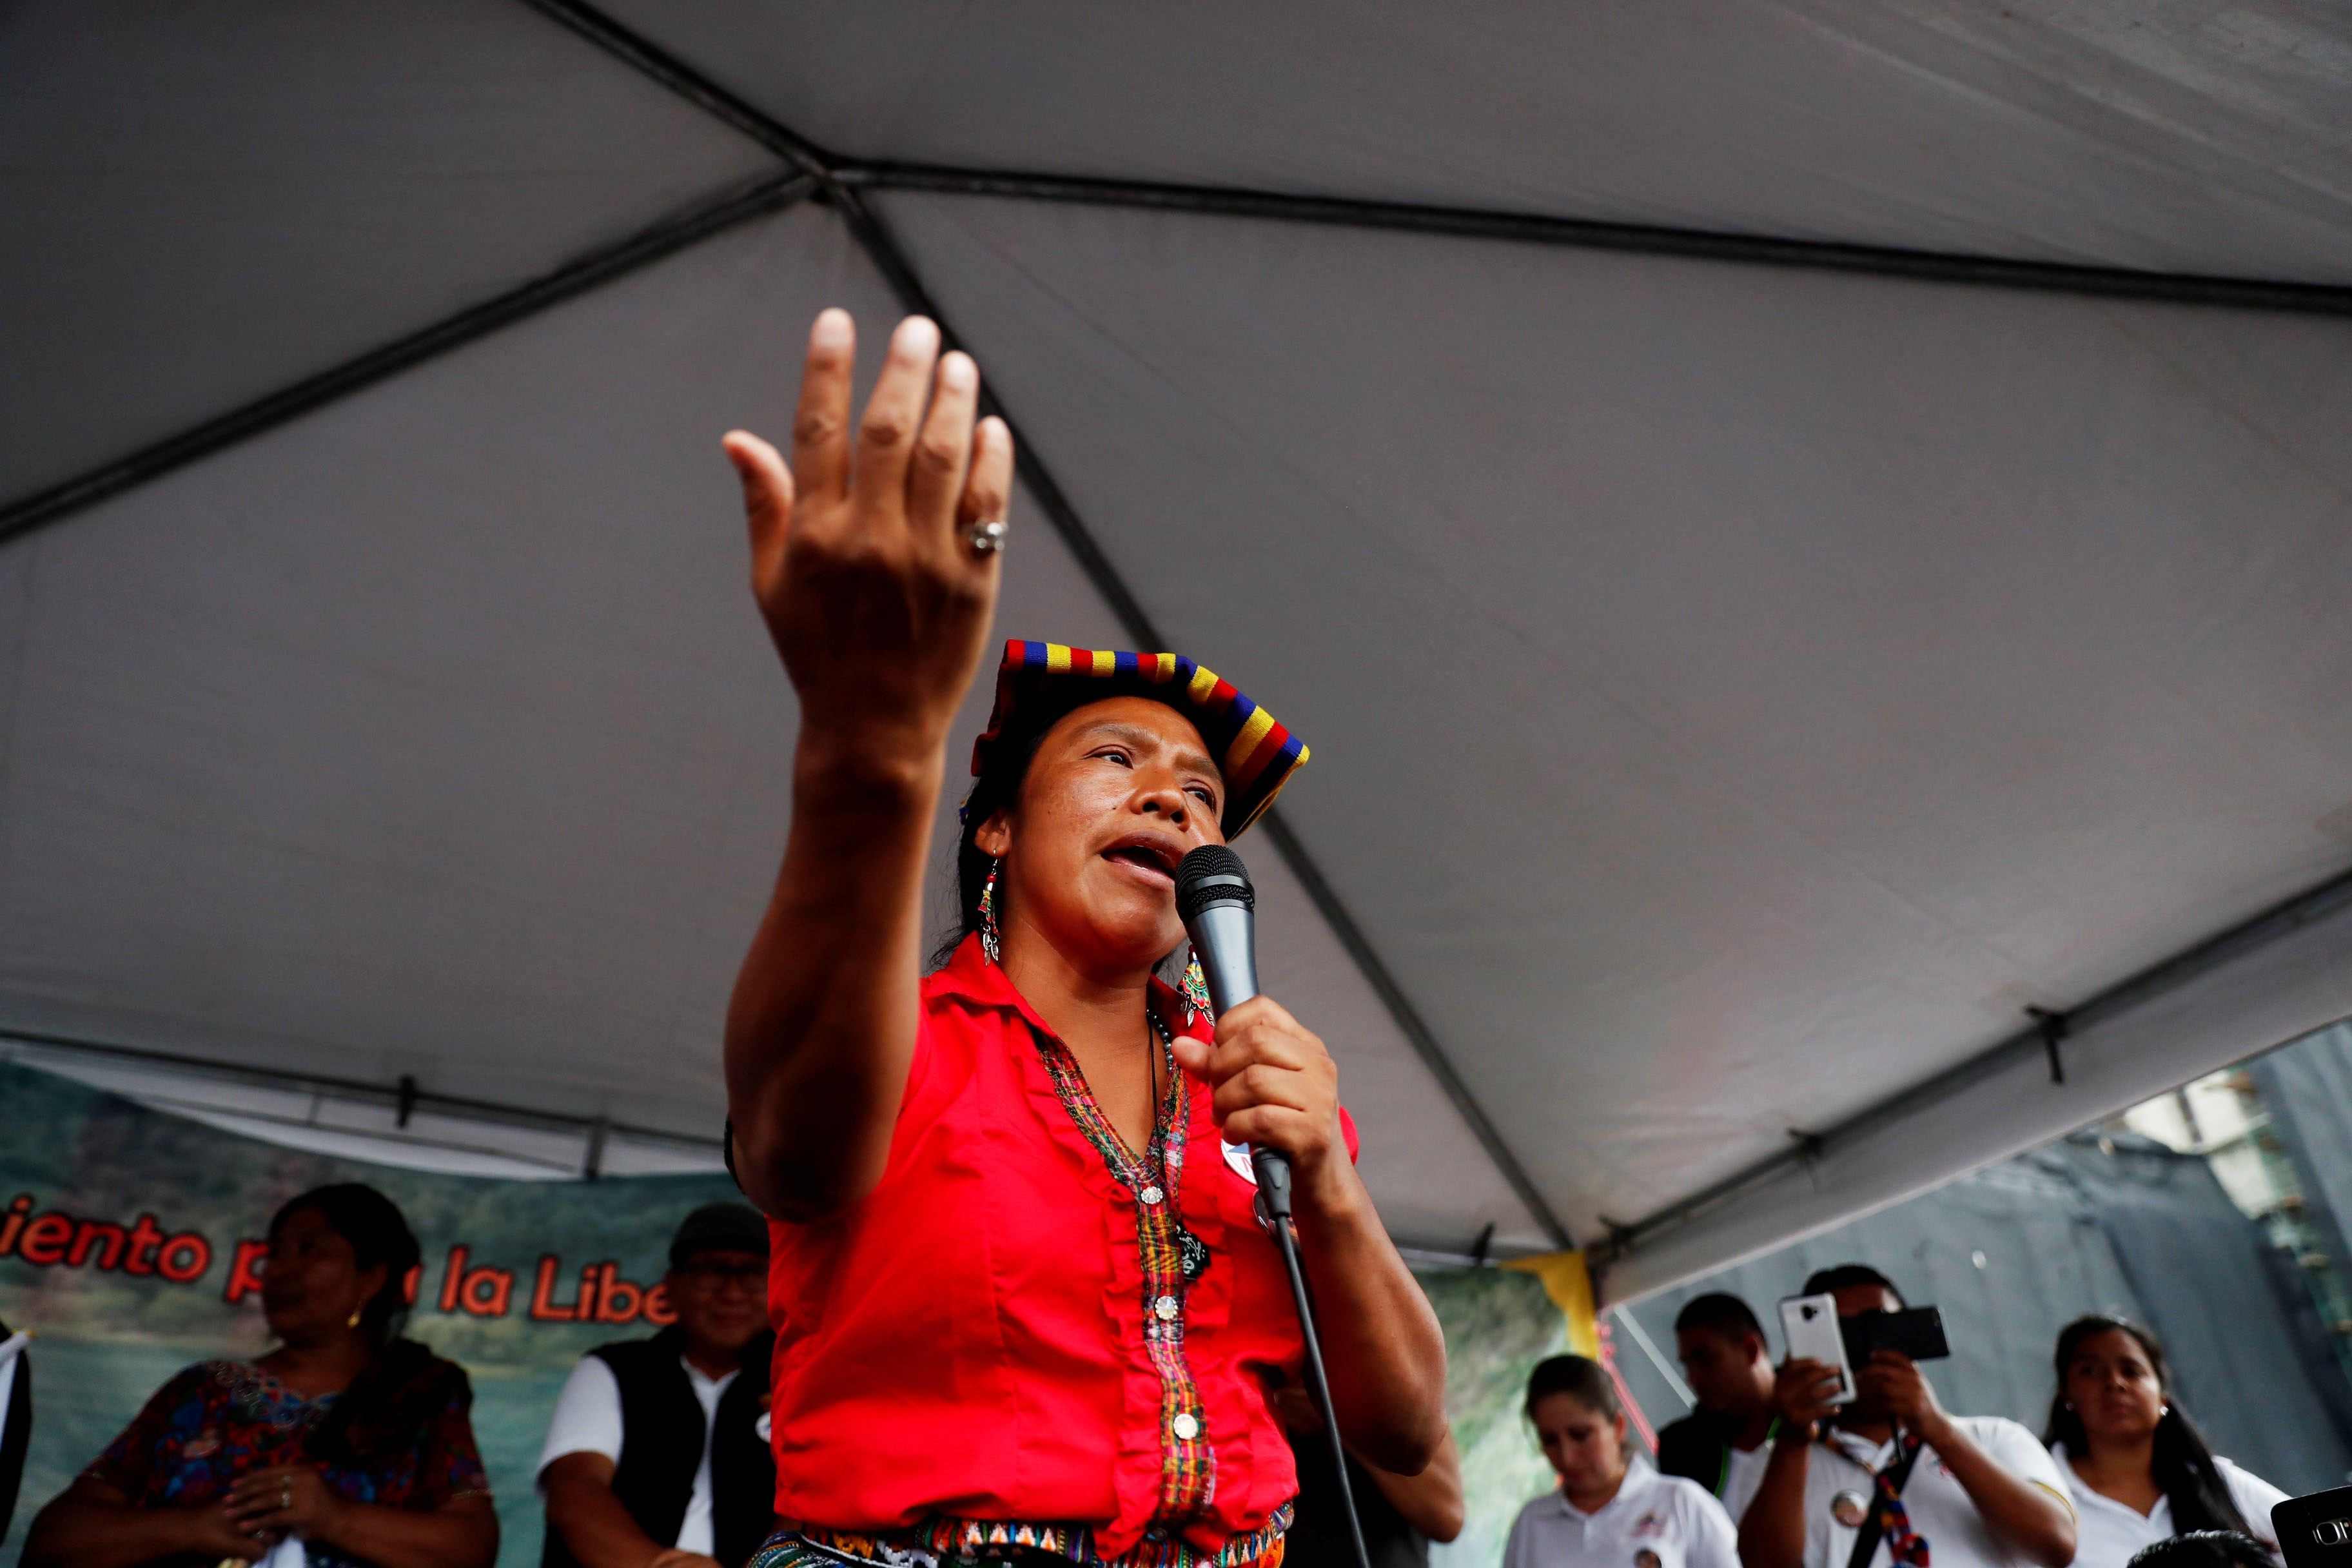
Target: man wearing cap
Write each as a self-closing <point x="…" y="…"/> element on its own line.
<point x="657" y="1456"/>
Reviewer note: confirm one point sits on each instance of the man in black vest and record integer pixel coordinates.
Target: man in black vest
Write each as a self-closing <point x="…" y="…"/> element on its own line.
<point x="1721" y="1445"/>
<point x="657" y="1456"/>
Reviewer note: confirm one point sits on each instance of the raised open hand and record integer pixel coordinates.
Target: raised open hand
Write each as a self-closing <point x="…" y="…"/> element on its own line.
<point x="863" y="552"/>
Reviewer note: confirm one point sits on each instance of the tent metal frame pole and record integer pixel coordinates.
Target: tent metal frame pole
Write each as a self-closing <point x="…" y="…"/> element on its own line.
<point x="838" y="172"/>
<point x="883" y="248"/>
<point x="2027" y="1044"/>
<point x="1586" y="234"/>
<point x="402" y="1096"/>
<point x="714" y="214"/>
<point x="405" y="1094"/>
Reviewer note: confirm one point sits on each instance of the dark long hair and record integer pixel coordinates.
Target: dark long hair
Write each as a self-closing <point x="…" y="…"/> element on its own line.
<point x="2182" y="1465"/>
<point x="403" y="1384"/>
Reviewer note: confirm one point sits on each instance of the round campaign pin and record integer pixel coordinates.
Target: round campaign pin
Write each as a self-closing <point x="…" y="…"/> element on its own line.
<point x="1237" y="1160"/>
<point x="1850" y="1508"/>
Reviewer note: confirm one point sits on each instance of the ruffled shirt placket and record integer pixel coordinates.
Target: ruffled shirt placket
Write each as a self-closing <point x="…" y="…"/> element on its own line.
<point x="1187" y="1463"/>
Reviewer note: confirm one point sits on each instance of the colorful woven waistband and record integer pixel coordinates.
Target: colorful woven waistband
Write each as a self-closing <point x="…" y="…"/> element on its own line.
<point x="943" y="1542"/>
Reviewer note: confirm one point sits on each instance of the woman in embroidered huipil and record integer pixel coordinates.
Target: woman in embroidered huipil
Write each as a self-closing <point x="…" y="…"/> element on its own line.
<point x="347" y="1438"/>
<point x="1023" y="1306"/>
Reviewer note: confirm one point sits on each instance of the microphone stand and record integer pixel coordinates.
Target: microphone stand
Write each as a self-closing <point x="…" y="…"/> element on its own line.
<point x="1273" y="1170"/>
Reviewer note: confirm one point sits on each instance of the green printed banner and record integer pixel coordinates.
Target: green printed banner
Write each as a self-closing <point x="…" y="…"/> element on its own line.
<point x="129" y="1240"/>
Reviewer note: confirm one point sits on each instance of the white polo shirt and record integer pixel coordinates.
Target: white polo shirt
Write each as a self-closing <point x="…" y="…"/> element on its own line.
<point x="587" y="1420"/>
<point x="1939" y="1508"/>
<point x="1743" y="1472"/>
<point x="1653" y="1522"/>
<point x="2111" y="1533"/>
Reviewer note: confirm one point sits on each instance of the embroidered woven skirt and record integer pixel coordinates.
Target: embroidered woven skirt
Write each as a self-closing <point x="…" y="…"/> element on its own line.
<point x="956" y="1543"/>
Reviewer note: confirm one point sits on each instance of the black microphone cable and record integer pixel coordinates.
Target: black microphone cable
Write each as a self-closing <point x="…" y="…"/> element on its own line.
<point x="1219" y="907"/>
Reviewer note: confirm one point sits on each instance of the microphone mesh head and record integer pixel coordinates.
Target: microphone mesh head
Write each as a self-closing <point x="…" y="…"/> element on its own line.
<point x="1212" y="874"/>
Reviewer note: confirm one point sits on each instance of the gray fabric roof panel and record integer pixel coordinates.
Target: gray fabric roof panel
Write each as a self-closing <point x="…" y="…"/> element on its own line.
<point x="2177" y="137"/>
<point x="1737" y="691"/>
<point x="2274" y="991"/>
<point x="436" y="734"/>
<point x="411" y="737"/>
<point x="201" y="203"/>
<point x="1799" y="674"/>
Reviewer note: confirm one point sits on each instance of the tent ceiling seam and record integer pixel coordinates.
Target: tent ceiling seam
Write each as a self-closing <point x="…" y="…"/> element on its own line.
<point x="712" y="215"/>
<point x="1439" y="1251"/>
<point x="883" y="249"/>
<point x="2028" y="1043"/>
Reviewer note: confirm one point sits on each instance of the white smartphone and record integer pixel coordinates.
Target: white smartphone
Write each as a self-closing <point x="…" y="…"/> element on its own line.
<point x="1809" y="1325"/>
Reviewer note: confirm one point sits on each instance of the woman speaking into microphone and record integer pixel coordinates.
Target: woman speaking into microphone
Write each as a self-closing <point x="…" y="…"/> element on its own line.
<point x="1024" y="1309"/>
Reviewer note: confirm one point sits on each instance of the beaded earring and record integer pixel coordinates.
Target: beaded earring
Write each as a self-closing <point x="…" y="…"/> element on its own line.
<point x="1196" y="987"/>
<point x="991" y="940"/>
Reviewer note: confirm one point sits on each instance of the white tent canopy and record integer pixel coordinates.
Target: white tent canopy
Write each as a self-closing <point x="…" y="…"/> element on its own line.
<point x="1797" y="533"/>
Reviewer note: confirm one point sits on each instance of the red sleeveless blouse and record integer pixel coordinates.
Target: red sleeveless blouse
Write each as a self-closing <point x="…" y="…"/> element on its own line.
<point x="1003" y="1330"/>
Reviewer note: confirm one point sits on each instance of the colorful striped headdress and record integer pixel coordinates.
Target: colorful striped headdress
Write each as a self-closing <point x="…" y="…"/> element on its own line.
<point x="1255" y="754"/>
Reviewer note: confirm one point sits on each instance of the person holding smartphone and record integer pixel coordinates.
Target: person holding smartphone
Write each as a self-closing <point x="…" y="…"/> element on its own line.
<point x="2139" y="1469"/>
<point x="1890" y="1480"/>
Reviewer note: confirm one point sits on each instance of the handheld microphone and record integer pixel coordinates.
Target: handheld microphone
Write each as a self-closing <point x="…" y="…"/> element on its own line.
<point x="1220" y="912"/>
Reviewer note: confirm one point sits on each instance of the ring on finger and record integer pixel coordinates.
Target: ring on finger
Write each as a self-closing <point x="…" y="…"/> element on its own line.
<point x="987" y="538"/>
<point x="285" y="1494"/>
